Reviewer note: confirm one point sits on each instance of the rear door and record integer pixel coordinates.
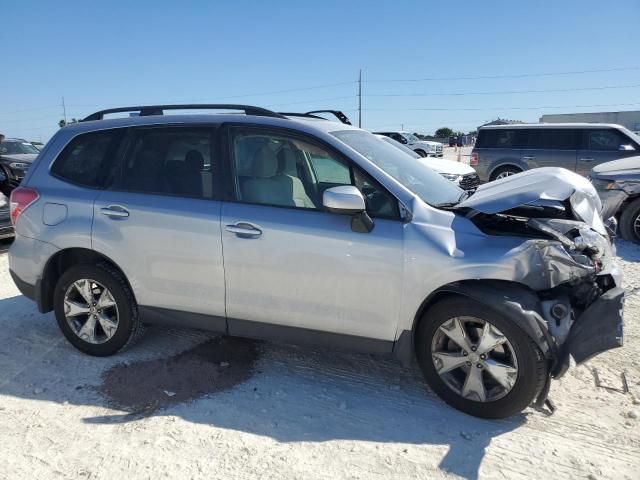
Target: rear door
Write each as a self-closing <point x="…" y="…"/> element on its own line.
<point x="551" y="147"/>
<point x="159" y="220"/>
<point x="603" y="145"/>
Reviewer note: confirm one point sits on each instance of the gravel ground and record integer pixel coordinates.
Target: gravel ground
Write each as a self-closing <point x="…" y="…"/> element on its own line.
<point x="283" y="412"/>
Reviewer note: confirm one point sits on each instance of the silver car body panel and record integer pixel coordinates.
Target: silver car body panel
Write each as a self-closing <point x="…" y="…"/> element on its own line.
<point x="616" y="182"/>
<point x="550" y="183"/>
<point x="307" y="269"/>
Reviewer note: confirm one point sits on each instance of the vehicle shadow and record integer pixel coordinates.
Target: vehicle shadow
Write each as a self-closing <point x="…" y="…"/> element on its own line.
<point x="288" y="393"/>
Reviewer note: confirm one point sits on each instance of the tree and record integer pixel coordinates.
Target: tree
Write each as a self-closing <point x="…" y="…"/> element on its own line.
<point x="444" y="132"/>
<point x="62" y="123"/>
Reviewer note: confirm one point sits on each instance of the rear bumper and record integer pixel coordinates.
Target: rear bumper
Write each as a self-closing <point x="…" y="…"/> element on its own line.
<point x="25" y="288"/>
<point x="6" y="230"/>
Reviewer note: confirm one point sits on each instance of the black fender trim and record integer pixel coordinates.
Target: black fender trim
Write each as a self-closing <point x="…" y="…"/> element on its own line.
<point x="513" y="300"/>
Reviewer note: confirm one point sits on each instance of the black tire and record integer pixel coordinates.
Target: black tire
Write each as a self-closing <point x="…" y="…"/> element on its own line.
<point x="504" y="170"/>
<point x="532" y="367"/>
<point x="129" y="328"/>
<point x="420" y="152"/>
<point x="630" y="214"/>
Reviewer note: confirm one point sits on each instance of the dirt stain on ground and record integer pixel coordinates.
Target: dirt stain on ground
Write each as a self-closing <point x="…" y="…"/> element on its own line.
<point x="213" y="366"/>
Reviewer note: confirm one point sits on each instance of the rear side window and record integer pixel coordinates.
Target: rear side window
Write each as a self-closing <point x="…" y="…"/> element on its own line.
<point x="169" y="161"/>
<point x="86" y="160"/>
<point x="553" y="138"/>
<point x="500" y="138"/>
<point x="606" y="139"/>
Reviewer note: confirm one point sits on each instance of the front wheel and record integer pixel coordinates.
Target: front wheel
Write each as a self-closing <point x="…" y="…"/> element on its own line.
<point x="96" y="310"/>
<point x="422" y="153"/>
<point x="478" y="361"/>
<point x="630" y="222"/>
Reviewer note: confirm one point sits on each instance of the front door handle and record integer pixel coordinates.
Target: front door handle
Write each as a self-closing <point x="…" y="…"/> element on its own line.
<point x="244" y="230"/>
<point x="115" y="211"/>
<point x="587" y="159"/>
<point x="527" y="158"/>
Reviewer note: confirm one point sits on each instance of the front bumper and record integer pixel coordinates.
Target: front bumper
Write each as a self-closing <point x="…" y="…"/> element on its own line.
<point x="599" y="328"/>
<point x="611" y="201"/>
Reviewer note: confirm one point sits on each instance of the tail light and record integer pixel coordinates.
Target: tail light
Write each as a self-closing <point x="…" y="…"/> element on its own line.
<point x="474" y="159"/>
<point x="20" y="199"/>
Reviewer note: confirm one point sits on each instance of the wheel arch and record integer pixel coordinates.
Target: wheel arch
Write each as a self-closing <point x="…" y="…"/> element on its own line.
<point x="62" y="261"/>
<point x="515" y="300"/>
<point x="505" y="165"/>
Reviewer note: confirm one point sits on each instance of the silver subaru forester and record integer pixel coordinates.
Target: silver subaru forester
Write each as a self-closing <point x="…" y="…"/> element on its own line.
<point x="296" y="228"/>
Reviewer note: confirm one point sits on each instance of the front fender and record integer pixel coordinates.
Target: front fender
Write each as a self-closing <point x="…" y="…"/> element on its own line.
<point x="513" y="300"/>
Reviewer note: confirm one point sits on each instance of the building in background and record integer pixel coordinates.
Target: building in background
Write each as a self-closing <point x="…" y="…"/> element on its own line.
<point x="630" y="119"/>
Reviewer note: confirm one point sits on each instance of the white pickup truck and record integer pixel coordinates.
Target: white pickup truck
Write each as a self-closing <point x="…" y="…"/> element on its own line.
<point x="423" y="148"/>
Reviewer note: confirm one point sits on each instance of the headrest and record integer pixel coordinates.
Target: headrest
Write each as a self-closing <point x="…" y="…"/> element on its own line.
<point x="265" y="163"/>
<point x="194" y="160"/>
<point x="287" y="162"/>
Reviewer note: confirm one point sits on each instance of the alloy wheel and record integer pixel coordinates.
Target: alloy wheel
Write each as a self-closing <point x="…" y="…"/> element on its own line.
<point x="505" y="174"/>
<point x="474" y="359"/>
<point x="91" y="311"/>
<point x="636" y="226"/>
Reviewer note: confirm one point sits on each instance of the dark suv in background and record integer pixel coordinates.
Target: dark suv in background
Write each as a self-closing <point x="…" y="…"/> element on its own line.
<point x="16" y="156"/>
<point x="503" y="150"/>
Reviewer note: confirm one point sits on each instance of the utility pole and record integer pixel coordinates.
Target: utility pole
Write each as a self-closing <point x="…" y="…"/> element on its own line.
<point x="64" y="111"/>
<point x="360" y="100"/>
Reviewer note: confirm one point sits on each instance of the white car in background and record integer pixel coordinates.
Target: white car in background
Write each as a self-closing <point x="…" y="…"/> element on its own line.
<point x="424" y="148"/>
<point x="459" y="173"/>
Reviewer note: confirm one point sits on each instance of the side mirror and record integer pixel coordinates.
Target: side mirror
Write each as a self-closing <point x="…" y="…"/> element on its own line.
<point x="626" y="148"/>
<point x="347" y="200"/>
<point x="402" y="140"/>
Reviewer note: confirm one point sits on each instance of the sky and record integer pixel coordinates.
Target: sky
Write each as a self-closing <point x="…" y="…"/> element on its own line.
<point x="424" y="65"/>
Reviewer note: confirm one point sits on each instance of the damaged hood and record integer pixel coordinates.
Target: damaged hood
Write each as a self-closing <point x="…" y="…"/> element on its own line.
<point x="540" y="184"/>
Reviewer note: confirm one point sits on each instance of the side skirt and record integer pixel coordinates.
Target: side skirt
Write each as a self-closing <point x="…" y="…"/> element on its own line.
<point x="263" y="331"/>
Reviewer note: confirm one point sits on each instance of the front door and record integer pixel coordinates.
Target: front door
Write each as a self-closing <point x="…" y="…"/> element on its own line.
<point x="603" y="145"/>
<point x="288" y="262"/>
<point x="160" y="222"/>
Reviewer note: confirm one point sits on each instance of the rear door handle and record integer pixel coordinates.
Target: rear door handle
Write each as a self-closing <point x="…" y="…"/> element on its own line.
<point x="115" y="211"/>
<point x="244" y="230"/>
<point x="587" y="159"/>
<point x="528" y="158"/>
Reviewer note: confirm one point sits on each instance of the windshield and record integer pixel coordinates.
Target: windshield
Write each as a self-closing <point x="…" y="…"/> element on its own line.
<point x="16" y="148"/>
<point x="430" y="186"/>
<point x="410" y="137"/>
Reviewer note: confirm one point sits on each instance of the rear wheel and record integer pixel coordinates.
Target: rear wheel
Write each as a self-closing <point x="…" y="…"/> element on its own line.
<point x="478" y="361"/>
<point x="630" y="222"/>
<point x="504" y="172"/>
<point x="96" y="310"/>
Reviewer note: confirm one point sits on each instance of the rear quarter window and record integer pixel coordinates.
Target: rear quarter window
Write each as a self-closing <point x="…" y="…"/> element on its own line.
<point x="85" y="161"/>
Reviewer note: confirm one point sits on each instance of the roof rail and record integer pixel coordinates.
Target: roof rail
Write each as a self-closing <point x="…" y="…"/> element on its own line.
<point x="336" y="113"/>
<point x="147" y="110"/>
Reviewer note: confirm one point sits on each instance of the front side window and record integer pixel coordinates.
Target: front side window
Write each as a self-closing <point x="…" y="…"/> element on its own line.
<point x="607" y="139"/>
<point x="286" y="171"/>
<point x="87" y="158"/>
<point x="427" y="184"/>
<point x="169" y="161"/>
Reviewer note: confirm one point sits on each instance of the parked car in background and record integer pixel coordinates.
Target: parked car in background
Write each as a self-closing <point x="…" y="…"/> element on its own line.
<point x="316" y="232"/>
<point x="459" y="173"/>
<point x="424" y="148"/>
<point x="6" y="228"/>
<point x="16" y="156"/>
<point x="504" y="150"/>
<point x="618" y="184"/>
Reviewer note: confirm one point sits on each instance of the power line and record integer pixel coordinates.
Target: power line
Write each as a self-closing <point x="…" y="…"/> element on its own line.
<point x="515" y="75"/>
<point x="501" y="108"/>
<point x="504" y="92"/>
